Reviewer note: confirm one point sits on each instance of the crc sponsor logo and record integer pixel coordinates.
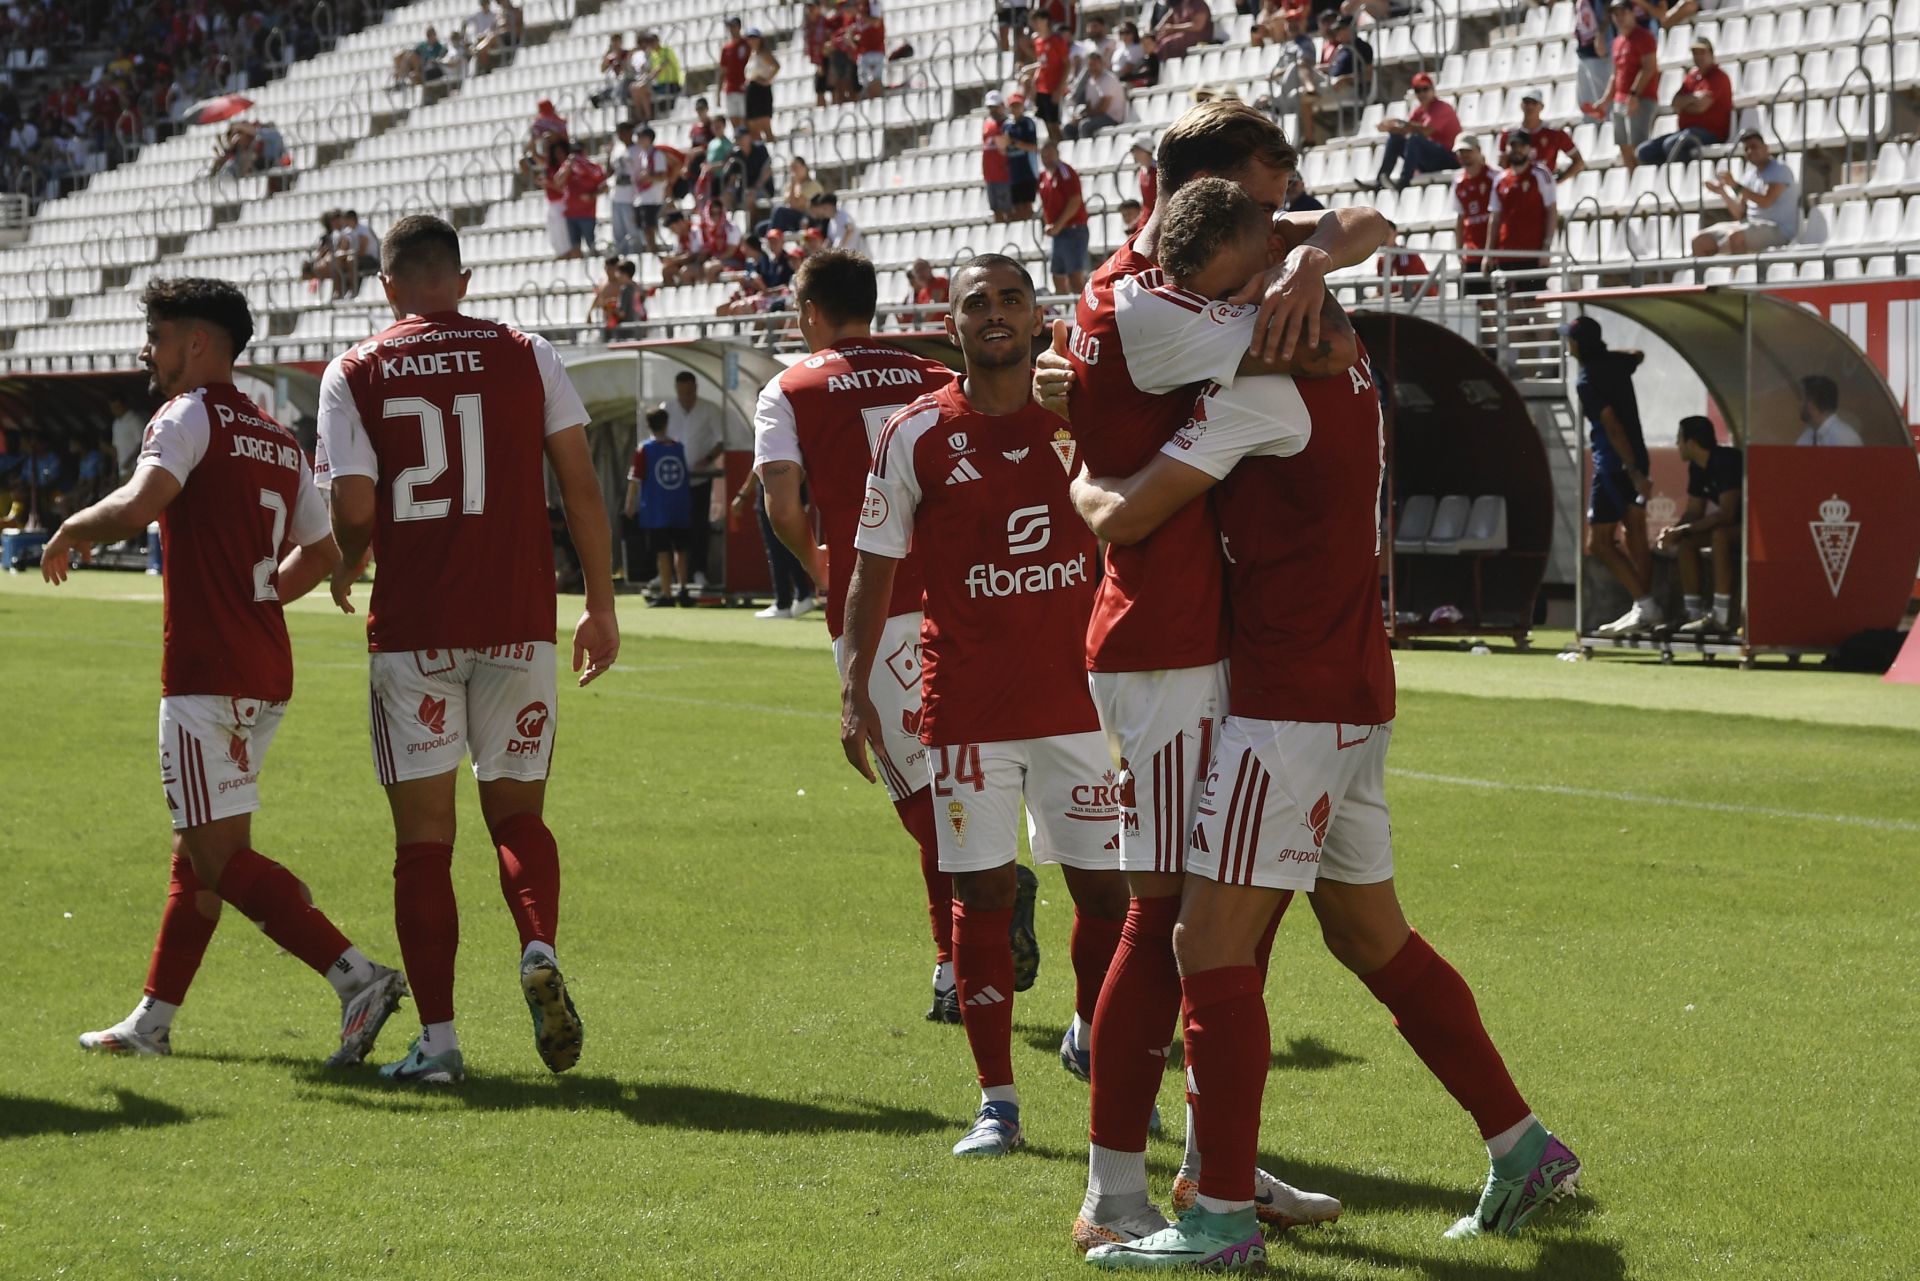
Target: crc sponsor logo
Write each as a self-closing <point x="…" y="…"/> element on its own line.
<point x="1096" y="802"/>
<point x="873" y="511"/>
<point x="1028" y="530"/>
<point x="532" y="724"/>
<point x="992" y="580"/>
<point x="432" y="714"/>
<point x="1833" y="537"/>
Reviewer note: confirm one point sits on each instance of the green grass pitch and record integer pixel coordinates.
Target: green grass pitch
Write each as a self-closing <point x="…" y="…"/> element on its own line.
<point x="1685" y="897"/>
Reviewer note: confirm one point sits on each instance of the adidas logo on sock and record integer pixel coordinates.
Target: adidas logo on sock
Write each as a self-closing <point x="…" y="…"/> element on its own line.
<point x="963" y="471"/>
<point x="988" y="995"/>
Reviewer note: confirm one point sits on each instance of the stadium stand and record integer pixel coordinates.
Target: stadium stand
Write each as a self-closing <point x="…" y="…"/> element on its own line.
<point x="1832" y="86"/>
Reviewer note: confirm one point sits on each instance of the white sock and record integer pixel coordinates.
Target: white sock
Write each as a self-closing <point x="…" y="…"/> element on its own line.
<point x="1112" y="1173"/>
<point x="943" y="976"/>
<point x="1692" y="605"/>
<point x="150" y="1016"/>
<point x="1722" y="609"/>
<point x="1000" y="1094"/>
<point x="1190" y="1163"/>
<point x="1082" y="1034"/>
<point x="438" y="1038"/>
<point x="350" y="973"/>
<point x="541" y="950"/>
<point x="1214" y="1205"/>
<point x="1505" y="1141"/>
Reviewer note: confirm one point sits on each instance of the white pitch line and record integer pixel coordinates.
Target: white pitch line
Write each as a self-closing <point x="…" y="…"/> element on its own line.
<point x="1641" y="798"/>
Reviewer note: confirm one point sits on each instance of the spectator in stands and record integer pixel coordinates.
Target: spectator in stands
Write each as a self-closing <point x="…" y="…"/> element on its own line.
<point x="1617" y="496"/>
<point x="1129" y="60"/>
<point x="1405" y="273"/>
<point x="1593" y="52"/>
<point x="540" y="154"/>
<point x="775" y="267"/>
<point x="665" y="76"/>
<point x="620" y="300"/>
<point x="658" y="503"/>
<point x="836" y="226"/>
<point x="762" y="69"/>
<point x="683" y="259"/>
<point x="1764" y="204"/>
<point x="1023" y="143"/>
<point x="579" y="183"/>
<point x="410" y="65"/>
<point x="1146" y="171"/>
<point x="654" y="171"/>
<point x="1715" y="489"/>
<point x="732" y="64"/>
<point x="1293" y="70"/>
<point x="359" y="251"/>
<point x="817" y="24"/>
<point x="1704" y="106"/>
<point x="1522" y="214"/>
<point x="843" y="54"/>
<point x="322" y="263"/>
<point x="1188" y="23"/>
<point x="721" y="241"/>
<point x="1011" y="19"/>
<point x="619" y="167"/>
<point x="1063" y="209"/>
<point x="1094" y="39"/>
<point x="1046" y="76"/>
<point x="127" y="432"/>
<point x="1659" y="13"/>
<point x="994" y="170"/>
<point x="1282" y="22"/>
<point x="1344" y="77"/>
<point x="869" y="35"/>
<point x="1636" y="81"/>
<point x="1131" y="215"/>
<point x="1549" y="143"/>
<point x="1472" y="205"/>
<point x="699" y="137"/>
<point x="1423" y="142"/>
<point x="1102" y="103"/>
<point x="797" y="201"/>
<point x="1299" y="199"/>
<point x="747" y="175"/>
<point x="478" y="29"/>
<point x="923" y="289"/>
<point x="509" y="26"/>
<point x="1820" y="414"/>
<point x="696" y="424"/>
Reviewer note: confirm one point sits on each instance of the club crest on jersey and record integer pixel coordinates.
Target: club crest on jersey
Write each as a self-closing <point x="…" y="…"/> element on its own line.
<point x="957" y="819"/>
<point x="1833" y="537"/>
<point x="1065" y="448"/>
<point x="432" y="714"/>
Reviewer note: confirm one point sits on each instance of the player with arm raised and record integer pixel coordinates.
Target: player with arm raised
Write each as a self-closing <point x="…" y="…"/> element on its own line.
<point x="817" y="424"/>
<point x="432" y="438"/>
<point x="1141" y="345"/>
<point x="973" y="479"/>
<point x="244" y="530"/>
<point x="1295" y="792"/>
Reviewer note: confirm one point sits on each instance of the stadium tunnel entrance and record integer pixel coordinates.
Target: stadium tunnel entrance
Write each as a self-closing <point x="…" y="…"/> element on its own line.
<point x="1830" y="536"/>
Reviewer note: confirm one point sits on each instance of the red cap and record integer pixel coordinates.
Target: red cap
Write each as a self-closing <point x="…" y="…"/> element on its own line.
<point x="546" y="106"/>
<point x="1421" y="80"/>
<point x="1016" y="97"/>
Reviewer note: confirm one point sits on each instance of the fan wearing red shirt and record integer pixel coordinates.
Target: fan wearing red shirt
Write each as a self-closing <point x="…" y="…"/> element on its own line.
<point x="1053" y="55"/>
<point x="816" y="425"/>
<point x="1472" y="205"/>
<point x="1521" y="213"/>
<point x="1063" y="210"/>
<point x="435" y="436"/>
<point x="994" y="170"/>
<point x="817" y="26"/>
<point x="1704" y="105"/>
<point x="578" y="183"/>
<point x="732" y="61"/>
<point x="1138" y="347"/>
<point x="870" y="48"/>
<point x="973" y="480"/>
<point x="1636" y="81"/>
<point x="1549" y="143"/>
<point x="1295" y="793"/>
<point x="1423" y="142"/>
<point x="244" y="530"/>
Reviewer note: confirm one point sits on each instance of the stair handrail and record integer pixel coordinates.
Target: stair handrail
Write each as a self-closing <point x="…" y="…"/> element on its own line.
<point x="1868" y="147"/>
<point x="1659" y="225"/>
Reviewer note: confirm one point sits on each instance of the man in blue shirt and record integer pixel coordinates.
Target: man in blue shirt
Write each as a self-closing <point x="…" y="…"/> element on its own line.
<point x="1716" y="480"/>
<point x="1617" y="497"/>
<point x="661" y="503"/>
<point x="1023" y="143"/>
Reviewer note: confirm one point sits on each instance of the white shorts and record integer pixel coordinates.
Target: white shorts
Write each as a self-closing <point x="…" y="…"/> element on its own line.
<point x="1289" y="802"/>
<point x="873" y="68"/>
<point x="1159" y="728"/>
<point x="429" y="707"/>
<point x="211" y="751"/>
<point x="557" y="227"/>
<point x="735" y="106"/>
<point x="1071" y="795"/>
<point x="894" y="687"/>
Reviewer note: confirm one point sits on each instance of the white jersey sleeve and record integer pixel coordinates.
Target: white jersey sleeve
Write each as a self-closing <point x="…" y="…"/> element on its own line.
<point x="1172" y="338"/>
<point x="343" y="447"/>
<point x="776" y="436"/>
<point x="893" y="488"/>
<point x="177" y="437"/>
<point x="1260" y="417"/>
<point x="1549" y="193"/>
<point x="1494" y="203"/>
<point x="564" y="407"/>
<point x="310" y="523"/>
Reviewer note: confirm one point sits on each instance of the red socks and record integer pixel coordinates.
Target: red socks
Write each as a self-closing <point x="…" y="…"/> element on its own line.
<point x="1433" y="1009"/>
<point x="1092" y="945"/>
<point x="184" y="933"/>
<point x="1138" y="1005"/>
<point x="428" y="923"/>
<point x="1227" y="1058"/>
<point x="530" y="877"/>
<point x="983" y="971"/>
<point x="270" y="896"/>
<point x="916" y="815"/>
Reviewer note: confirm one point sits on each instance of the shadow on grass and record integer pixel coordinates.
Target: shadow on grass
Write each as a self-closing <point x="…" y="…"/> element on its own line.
<point x="1360" y="1192"/>
<point x="23" y="1118"/>
<point x="1311" y="1054"/>
<point x="1560" y="1260"/>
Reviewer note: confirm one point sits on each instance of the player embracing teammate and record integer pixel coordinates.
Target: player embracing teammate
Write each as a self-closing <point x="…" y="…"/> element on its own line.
<point x="433" y="435"/>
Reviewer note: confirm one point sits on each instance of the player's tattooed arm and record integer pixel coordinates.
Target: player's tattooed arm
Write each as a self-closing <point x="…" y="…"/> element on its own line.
<point x="124" y="513"/>
<point x="868" y="595"/>
<point x="788" y="515"/>
<point x="1335" y="352"/>
<point x="1125" y="510"/>
<point x="1291" y="295"/>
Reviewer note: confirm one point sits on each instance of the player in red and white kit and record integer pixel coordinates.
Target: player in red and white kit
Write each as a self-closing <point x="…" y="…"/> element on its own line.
<point x="1295" y="793"/>
<point x="433" y="436"/>
<point x="816" y="425"/>
<point x="243" y="530"/>
<point x="973" y="478"/>
<point x="1154" y="648"/>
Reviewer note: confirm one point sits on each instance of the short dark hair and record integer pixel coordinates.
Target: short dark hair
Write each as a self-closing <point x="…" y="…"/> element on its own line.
<point x="988" y="262"/>
<point x="1822" y="391"/>
<point x="420" y="244"/>
<point x="629" y="269"/>
<point x="1200" y="219"/>
<point x="826" y="198"/>
<point x="348" y="213"/>
<point x="1751" y="132"/>
<point x="200" y="298"/>
<point x="612" y="261"/>
<point x="841" y="284"/>
<point x="684" y="376"/>
<point x="1698" y="429"/>
<point x="656" y="420"/>
<point x="1220" y="137"/>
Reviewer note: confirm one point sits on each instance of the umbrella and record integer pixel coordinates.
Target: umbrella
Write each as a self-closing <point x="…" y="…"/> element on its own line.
<point x="224" y="107"/>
